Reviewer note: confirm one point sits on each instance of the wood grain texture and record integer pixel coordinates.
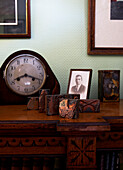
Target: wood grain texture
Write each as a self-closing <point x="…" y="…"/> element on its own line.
<point x="81" y="152"/>
<point x="30" y="134"/>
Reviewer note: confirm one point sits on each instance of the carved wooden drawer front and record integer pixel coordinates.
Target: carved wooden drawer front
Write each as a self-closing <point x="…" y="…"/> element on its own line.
<point x="81" y="151"/>
<point x="32" y="145"/>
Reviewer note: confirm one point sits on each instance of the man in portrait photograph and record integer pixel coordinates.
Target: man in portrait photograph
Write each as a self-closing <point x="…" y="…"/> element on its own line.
<point x="79" y="87"/>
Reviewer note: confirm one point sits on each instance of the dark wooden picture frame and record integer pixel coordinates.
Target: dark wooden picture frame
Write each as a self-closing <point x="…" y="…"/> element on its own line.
<point x="101" y="50"/>
<point x="15" y="19"/>
<point x="84" y="76"/>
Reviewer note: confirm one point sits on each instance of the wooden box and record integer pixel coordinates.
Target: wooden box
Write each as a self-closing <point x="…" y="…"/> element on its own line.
<point x="89" y="105"/>
<point x="68" y="108"/>
<point x="33" y="103"/>
<point x="108" y="85"/>
<point x="52" y="102"/>
<point x="42" y="94"/>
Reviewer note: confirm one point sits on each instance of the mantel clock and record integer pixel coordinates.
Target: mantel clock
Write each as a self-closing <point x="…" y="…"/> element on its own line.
<point x="23" y="74"/>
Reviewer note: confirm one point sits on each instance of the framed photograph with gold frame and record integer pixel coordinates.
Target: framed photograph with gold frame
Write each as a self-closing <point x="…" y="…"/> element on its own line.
<point x="105" y="27"/>
<point x="80" y="82"/>
<point x="15" y="19"/>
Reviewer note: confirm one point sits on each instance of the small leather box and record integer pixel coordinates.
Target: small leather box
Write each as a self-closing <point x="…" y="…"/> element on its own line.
<point x="68" y="108"/>
<point x="42" y="94"/>
<point x="89" y="105"/>
<point x="33" y="103"/>
<point x="52" y="102"/>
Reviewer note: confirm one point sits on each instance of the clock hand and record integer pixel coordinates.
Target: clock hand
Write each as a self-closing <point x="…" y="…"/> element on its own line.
<point x="33" y="78"/>
<point x="18" y="78"/>
<point x="26" y="75"/>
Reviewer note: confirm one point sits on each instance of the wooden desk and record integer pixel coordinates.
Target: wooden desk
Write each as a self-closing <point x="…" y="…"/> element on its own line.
<point x="26" y="133"/>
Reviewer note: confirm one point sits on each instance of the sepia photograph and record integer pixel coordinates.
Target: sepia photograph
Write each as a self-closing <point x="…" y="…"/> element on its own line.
<point x="79" y="82"/>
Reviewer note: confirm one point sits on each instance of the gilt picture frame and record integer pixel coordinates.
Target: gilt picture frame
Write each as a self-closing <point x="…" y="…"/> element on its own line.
<point x="15" y="19"/>
<point x="80" y="82"/>
<point x="105" y="23"/>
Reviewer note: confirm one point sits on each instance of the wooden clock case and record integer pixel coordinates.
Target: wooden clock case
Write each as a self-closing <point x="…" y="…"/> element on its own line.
<point x="8" y="97"/>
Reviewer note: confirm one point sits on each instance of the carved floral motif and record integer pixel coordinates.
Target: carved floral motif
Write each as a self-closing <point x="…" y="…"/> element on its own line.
<point x="81" y="151"/>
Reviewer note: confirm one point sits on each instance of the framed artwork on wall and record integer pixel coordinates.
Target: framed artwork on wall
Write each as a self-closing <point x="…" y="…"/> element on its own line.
<point x="79" y="82"/>
<point x="105" y="27"/>
<point x="15" y="19"/>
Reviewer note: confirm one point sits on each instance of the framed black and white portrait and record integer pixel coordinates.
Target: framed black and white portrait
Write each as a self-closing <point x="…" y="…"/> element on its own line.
<point x="79" y="82"/>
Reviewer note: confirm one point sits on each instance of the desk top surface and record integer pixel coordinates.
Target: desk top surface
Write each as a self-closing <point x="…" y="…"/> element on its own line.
<point x="19" y="114"/>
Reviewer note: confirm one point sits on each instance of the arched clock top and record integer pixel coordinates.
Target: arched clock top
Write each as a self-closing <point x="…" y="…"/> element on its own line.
<point x="23" y="74"/>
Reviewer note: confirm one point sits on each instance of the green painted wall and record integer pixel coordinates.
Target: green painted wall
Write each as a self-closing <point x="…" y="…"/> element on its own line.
<point x="59" y="34"/>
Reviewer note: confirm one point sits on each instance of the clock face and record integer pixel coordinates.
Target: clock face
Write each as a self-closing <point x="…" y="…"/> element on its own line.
<point x="25" y="74"/>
